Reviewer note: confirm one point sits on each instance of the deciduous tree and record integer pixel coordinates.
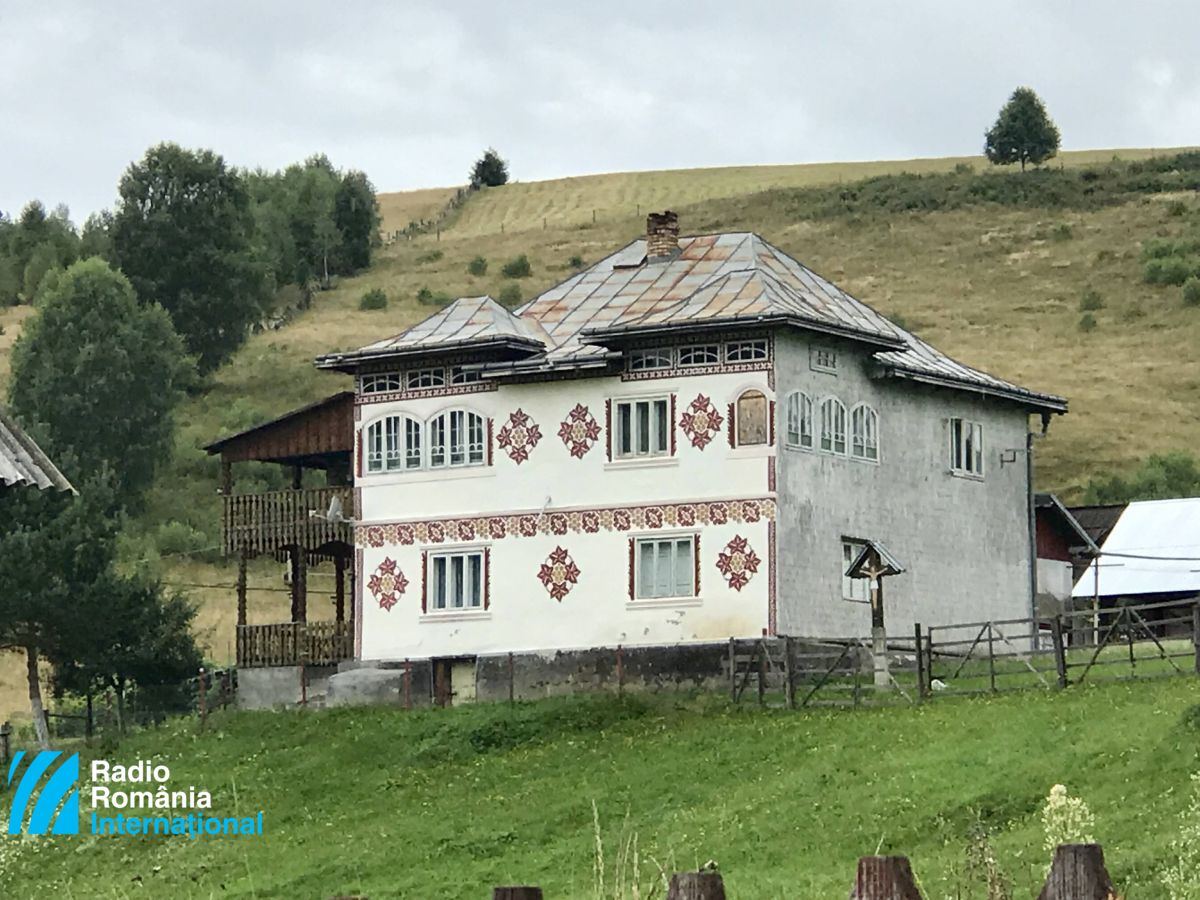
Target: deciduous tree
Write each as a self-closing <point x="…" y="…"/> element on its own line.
<point x="1023" y="132"/>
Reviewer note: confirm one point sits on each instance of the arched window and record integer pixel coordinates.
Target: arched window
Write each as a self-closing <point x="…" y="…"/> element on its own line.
<point x="799" y="420"/>
<point x="393" y="442"/>
<point x="833" y="425"/>
<point x="864" y="432"/>
<point x="456" y="438"/>
<point x="751" y="415"/>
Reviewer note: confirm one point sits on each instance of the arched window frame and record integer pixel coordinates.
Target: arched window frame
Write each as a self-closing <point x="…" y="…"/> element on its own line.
<point x="393" y="443"/>
<point x="754" y="394"/>
<point x="833" y="426"/>
<point x="798" y="428"/>
<point x="864" y="433"/>
<point x="455" y="438"/>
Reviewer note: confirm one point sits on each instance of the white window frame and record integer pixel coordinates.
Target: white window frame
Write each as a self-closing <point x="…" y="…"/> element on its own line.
<point x="746" y="351"/>
<point x="695" y="355"/>
<point x="864" y="432"/>
<point x="650" y="359"/>
<point x="459" y="375"/>
<point x="425" y="379"/>
<point x="386" y="444"/>
<point x="966" y="447"/>
<point x="380" y="383"/>
<point x="822" y="359"/>
<point x="664" y="588"/>
<point x="798" y="427"/>
<point x="473" y="583"/>
<point x="855" y="590"/>
<point x="469" y="448"/>
<point x="654" y="450"/>
<point x="833" y="426"/>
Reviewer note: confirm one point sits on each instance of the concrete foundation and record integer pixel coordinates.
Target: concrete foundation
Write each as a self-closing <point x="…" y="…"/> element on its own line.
<point x="275" y="687"/>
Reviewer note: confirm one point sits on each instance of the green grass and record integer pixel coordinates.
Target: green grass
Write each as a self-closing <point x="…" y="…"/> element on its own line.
<point x="445" y="804"/>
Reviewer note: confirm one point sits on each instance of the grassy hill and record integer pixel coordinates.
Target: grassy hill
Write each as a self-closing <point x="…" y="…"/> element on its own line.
<point x="444" y="804"/>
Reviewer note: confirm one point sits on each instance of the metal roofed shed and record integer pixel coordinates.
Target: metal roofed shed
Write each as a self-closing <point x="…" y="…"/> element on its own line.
<point x="1153" y="549"/>
<point x="22" y="461"/>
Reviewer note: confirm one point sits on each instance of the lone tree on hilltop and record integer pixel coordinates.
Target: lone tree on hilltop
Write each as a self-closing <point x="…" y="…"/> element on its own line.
<point x="1024" y="132"/>
<point x="489" y="170"/>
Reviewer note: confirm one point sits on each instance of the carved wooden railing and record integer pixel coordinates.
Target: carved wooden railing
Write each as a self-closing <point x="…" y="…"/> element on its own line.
<point x="269" y="521"/>
<point x="293" y="644"/>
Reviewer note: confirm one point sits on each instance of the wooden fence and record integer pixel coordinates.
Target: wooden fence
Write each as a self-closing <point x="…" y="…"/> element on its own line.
<point x="1120" y="643"/>
<point x="294" y="644"/>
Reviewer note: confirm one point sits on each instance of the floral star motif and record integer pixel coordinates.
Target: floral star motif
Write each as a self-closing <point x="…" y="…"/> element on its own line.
<point x="738" y="563"/>
<point x="701" y="422"/>
<point x="579" y="431"/>
<point x="519" y="436"/>
<point x="559" y="573"/>
<point x="387" y="584"/>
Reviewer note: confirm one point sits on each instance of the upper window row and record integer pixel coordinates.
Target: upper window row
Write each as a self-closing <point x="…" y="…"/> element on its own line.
<point x="453" y="438"/>
<point x="693" y="355"/>
<point x="415" y="379"/>
<point x="832" y="437"/>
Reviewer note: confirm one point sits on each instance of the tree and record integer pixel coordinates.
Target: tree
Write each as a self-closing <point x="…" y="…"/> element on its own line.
<point x="99" y="374"/>
<point x="489" y="170"/>
<point x="183" y="233"/>
<point x="95" y="239"/>
<point x="1023" y="132"/>
<point x="1161" y="477"/>
<point x="356" y="215"/>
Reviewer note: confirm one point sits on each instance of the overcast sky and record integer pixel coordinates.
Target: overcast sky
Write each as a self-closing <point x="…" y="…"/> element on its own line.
<point x="411" y="92"/>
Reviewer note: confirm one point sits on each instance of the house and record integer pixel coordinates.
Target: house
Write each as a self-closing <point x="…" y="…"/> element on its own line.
<point x="690" y="441"/>
<point x="1063" y="545"/>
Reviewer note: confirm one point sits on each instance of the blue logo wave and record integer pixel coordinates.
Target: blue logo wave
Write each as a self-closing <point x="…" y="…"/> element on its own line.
<point x="59" y="794"/>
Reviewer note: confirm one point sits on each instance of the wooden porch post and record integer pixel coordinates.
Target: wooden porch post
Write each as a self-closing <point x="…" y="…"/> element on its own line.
<point x="299" y="568"/>
<point x="339" y="597"/>
<point x="297" y="477"/>
<point x="241" y="587"/>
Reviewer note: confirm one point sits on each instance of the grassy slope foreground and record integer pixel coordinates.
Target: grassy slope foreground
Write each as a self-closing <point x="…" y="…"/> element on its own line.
<point x="442" y="805"/>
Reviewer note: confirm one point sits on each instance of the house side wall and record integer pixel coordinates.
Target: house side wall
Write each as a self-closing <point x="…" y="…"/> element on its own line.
<point x="964" y="542"/>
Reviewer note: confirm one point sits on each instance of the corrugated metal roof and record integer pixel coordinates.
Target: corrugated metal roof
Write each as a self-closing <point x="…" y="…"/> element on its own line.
<point x="713" y="280"/>
<point x="1156" y="528"/>
<point x="23" y="462"/>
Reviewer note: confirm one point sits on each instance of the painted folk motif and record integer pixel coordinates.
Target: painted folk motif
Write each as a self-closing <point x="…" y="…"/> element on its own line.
<point x="738" y="563"/>
<point x="387" y="584"/>
<point x="701" y="422"/>
<point x="519" y="436"/>
<point x="559" y="573"/>
<point x="579" y="431"/>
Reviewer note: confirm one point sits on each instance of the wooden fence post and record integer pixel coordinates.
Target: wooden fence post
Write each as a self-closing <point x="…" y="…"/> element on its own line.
<point x="696" y="886"/>
<point x="1078" y="873"/>
<point x="789" y="673"/>
<point x="517" y="893"/>
<point x="1196" y="634"/>
<point x="884" y="878"/>
<point x="732" y="671"/>
<point x="407" y="684"/>
<point x="5" y="745"/>
<point x="762" y="673"/>
<point x="203" y="699"/>
<point x="1060" y="650"/>
<point x="511" y="680"/>
<point x="921" y="681"/>
<point x="620" y="670"/>
<point x="991" y="658"/>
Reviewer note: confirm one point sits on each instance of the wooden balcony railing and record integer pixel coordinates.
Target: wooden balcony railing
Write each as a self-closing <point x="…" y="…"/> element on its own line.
<point x="269" y="521"/>
<point x="293" y="644"/>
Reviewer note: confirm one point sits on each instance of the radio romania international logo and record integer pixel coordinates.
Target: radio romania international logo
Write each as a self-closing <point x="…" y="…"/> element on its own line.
<point x="44" y="791"/>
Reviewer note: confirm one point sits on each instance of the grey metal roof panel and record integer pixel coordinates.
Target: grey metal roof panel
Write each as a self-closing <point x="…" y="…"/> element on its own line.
<point x="1166" y="531"/>
<point x="22" y="461"/>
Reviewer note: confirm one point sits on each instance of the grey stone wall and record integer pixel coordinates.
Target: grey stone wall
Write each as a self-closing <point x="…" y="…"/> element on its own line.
<point x="965" y="542"/>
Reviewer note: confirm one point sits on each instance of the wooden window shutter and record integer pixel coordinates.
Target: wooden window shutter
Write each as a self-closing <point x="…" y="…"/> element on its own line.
<point x="487" y="578"/>
<point x="608" y="434"/>
<point x="632" y="567"/>
<point x="671" y="424"/>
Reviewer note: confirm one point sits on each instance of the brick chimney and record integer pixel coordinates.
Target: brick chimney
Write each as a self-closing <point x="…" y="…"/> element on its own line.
<point x="662" y="235"/>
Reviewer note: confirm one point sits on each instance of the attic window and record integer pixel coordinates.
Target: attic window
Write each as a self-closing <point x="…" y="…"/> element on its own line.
<point x="425" y="378"/>
<point x="657" y="358"/>
<point x="458" y="375"/>
<point x="746" y="351"/>
<point x="822" y="359"/>
<point x="381" y="383"/>
<point x="699" y="355"/>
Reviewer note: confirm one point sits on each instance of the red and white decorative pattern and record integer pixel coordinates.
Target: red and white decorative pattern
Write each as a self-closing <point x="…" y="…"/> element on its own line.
<point x="701" y="422"/>
<point x="580" y="431"/>
<point x="519" y="435"/>
<point x="559" y="573"/>
<point x="738" y="563"/>
<point x="576" y="521"/>
<point x="387" y="584"/>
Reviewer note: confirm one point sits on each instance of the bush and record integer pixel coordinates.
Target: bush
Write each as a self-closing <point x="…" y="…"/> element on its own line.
<point x="1161" y="477"/>
<point x="510" y="294"/>
<point x="1061" y="232"/>
<point x="477" y="266"/>
<point x="373" y="299"/>
<point x="1177" y="208"/>
<point x="1091" y="300"/>
<point x="1191" y="291"/>
<point x="432" y="298"/>
<point x="175" y="538"/>
<point x="517" y="267"/>
<point x="1170" y="269"/>
<point x="431" y="256"/>
<point x="1087" y="322"/>
<point x="575" y="262"/>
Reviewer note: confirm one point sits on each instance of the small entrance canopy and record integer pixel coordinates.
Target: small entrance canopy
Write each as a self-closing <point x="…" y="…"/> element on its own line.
<point x="22" y="461"/>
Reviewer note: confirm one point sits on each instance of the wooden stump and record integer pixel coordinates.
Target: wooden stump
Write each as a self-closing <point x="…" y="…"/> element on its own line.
<point x="884" y="878"/>
<point x="696" y="886"/>
<point x="517" y="893"/>
<point x="1078" y="873"/>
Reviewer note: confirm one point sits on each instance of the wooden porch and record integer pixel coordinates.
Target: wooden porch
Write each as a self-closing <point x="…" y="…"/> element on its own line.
<point x="294" y="644"/>
<point x="274" y="520"/>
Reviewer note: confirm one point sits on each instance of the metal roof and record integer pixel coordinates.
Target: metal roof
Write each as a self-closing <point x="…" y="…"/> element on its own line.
<point x="23" y="462"/>
<point x="1051" y="502"/>
<point x="1169" y="531"/>
<point x="715" y="280"/>
<point x="1098" y="520"/>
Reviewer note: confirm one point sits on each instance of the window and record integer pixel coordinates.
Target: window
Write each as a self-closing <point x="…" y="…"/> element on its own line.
<point x="746" y="351"/>
<point x="380" y="383"/>
<point x="751" y="419"/>
<point x="456" y="438"/>
<point x="833" y="425"/>
<point x="966" y="447"/>
<point x="658" y="358"/>
<point x="383" y="444"/>
<point x="857" y="589"/>
<point x="666" y="567"/>
<point x="456" y="581"/>
<point x="864" y="432"/>
<point x="458" y="375"/>
<point x="822" y="359"/>
<point x="699" y="355"/>
<point x="643" y="428"/>
<point x="799" y="420"/>
<point x="425" y="378"/>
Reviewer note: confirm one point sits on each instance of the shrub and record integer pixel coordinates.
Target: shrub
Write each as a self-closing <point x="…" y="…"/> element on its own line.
<point x="964" y="168"/>
<point x="1087" y="322"/>
<point x="1091" y="300"/>
<point x="431" y="256"/>
<point x="1105" y="256"/>
<point x="575" y="262"/>
<point x="1177" y="208"/>
<point x="1191" y="291"/>
<point x="373" y="299"/>
<point x="477" y="266"/>
<point x="1170" y="269"/>
<point x="432" y="298"/>
<point x="175" y="538"/>
<point x="517" y="267"/>
<point x="510" y="294"/>
<point x="1161" y="477"/>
